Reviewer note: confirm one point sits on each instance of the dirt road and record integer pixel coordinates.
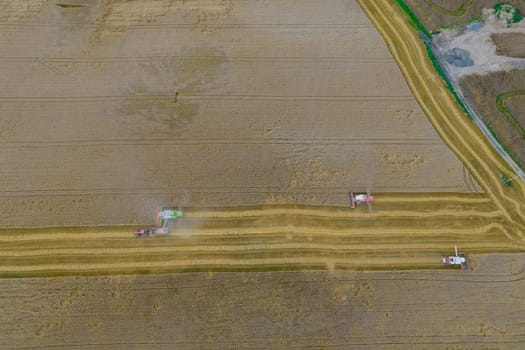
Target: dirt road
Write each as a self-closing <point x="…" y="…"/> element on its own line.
<point x="479" y="309"/>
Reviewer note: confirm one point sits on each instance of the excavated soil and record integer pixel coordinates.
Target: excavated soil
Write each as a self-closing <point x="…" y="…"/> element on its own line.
<point x="450" y="309"/>
<point x="436" y="13"/>
<point x="499" y="98"/>
<point x="110" y="108"/>
<point x="509" y="44"/>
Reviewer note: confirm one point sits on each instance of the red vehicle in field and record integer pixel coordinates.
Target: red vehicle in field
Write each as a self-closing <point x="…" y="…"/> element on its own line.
<point x="358" y="199"/>
<point x="163" y="217"/>
<point x="456" y="260"/>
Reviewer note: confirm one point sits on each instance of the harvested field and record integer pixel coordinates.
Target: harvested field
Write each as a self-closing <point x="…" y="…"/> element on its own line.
<point x="406" y="230"/>
<point x="509" y="44"/>
<point x="240" y="103"/>
<point x="478" y="309"/>
<point x="269" y="238"/>
<point x="499" y="98"/>
<point x="449" y="120"/>
<point x="436" y="13"/>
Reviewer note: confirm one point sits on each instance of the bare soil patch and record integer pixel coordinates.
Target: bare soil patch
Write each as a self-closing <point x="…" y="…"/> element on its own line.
<point x="462" y="136"/>
<point x="510" y="44"/>
<point x="500" y="99"/>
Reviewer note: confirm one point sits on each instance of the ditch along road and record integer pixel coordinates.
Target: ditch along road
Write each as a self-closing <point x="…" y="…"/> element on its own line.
<point x="403" y="231"/>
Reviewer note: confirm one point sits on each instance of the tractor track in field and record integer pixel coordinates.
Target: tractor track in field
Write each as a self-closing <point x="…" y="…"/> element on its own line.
<point x="227" y="59"/>
<point x="236" y="97"/>
<point x="219" y="141"/>
<point x="191" y="26"/>
<point x="268" y="237"/>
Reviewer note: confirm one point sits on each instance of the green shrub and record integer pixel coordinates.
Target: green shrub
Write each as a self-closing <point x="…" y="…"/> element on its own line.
<point x="503" y="10"/>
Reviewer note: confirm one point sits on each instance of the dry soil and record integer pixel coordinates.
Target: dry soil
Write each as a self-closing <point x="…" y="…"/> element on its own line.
<point x="510" y="44"/>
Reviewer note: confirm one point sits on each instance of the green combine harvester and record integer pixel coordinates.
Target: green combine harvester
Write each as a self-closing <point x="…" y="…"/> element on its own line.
<point x="164" y="215"/>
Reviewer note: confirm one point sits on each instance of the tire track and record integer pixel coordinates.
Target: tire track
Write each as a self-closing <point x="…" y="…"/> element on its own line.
<point x="422" y="231"/>
<point x="237" y="97"/>
<point x="341" y="213"/>
<point x="253" y="248"/>
<point x="217" y="264"/>
<point x="238" y="231"/>
<point x="151" y="26"/>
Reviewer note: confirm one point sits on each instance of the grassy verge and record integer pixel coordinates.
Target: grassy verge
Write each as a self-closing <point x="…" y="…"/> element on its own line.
<point x="511" y="155"/>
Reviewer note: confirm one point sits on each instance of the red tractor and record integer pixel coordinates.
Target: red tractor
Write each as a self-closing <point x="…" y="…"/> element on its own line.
<point x="456" y="260"/>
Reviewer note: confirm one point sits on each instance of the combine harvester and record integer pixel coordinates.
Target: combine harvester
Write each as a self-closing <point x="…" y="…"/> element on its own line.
<point x="164" y="215"/>
<point x="358" y="199"/>
<point x="455" y="260"/>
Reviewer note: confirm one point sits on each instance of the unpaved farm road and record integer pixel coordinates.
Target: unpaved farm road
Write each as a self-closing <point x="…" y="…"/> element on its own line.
<point x="448" y="309"/>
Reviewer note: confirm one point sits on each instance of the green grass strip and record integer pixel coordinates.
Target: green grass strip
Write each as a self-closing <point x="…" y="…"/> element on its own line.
<point x="501" y="100"/>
